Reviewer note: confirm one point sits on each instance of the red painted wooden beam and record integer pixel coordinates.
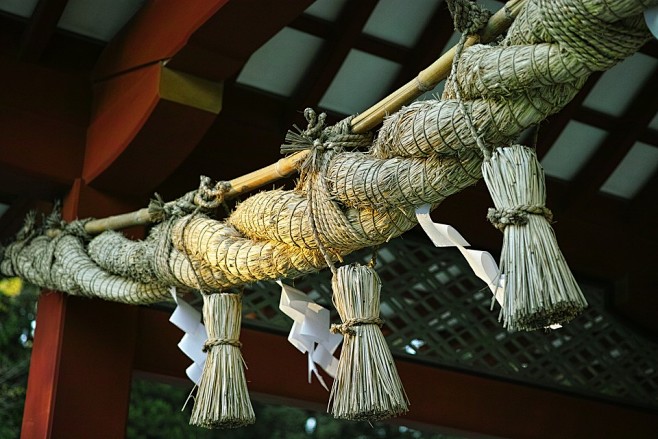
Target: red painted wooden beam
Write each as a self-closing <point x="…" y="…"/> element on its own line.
<point x="440" y="398"/>
<point x="221" y="46"/>
<point x="41" y="26"/>
<point x="156" y="33"/>
<point x="137" y="137"/>
<point x="200" y="38"/>
<point x="81" y="366"/>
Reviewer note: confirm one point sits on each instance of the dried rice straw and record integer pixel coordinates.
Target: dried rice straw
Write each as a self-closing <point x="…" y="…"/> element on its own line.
<point x="222" y="400"/>
<point x="539" y="288"/>
<point x="367" y="385"/>
<point x="423" y="153"/>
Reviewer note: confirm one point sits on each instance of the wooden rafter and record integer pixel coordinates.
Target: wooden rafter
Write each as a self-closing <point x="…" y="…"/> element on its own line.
<point x="616" y="145"/>
<point x="334" y="50"/>
<point x="40" y="28"/>
<point x="430" y="45"/>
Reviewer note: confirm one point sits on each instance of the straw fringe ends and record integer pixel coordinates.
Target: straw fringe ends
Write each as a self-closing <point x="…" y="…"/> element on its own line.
<point x="540" y="289"/>
<point x="367" y="385"/>
<point x="222" y="400"/>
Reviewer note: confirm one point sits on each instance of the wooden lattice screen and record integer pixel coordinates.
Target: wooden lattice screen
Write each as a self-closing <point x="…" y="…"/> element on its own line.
<point x="438" y="312"/>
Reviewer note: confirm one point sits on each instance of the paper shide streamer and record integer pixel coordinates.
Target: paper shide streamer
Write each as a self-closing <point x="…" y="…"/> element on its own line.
<point x="422" y="154"/>
<point x="188" y="319"/>
<point x="310" y="331"/>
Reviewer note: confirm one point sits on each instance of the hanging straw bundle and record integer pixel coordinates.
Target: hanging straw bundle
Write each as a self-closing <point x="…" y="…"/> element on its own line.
<point x="222" y="400"/>
<point x="367" y="385"/>
<point x="540" y="290"/>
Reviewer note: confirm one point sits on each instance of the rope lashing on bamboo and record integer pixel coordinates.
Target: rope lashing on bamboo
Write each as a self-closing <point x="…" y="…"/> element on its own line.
<point x="422" y="154"/>
<point x="517" y="215"/>
<point x="318" y="135"/>
<point x="468" y="17"/>
<point x="159" y="210"/>
<point x="207" y="197"/>
<point x="210" y="196"/>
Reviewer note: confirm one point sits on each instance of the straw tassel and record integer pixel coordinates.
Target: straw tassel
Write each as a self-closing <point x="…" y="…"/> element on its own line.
<point x="367" y="385"/>
<point x="540" y="289"/>
<point x="222" y="400"/>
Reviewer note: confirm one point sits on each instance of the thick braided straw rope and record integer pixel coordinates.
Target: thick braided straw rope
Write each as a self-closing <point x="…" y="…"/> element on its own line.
<point x="422" y="154"/>
<point x="62" y="263"/>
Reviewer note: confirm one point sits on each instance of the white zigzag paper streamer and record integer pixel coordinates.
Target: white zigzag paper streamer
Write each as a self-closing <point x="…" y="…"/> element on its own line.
<point x="481" y="262"/>
<point x="310" y="331"/>
<point x="188" y="319"/>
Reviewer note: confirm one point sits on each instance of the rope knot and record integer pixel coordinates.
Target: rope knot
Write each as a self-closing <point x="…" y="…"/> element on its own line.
<point x="210" y="196"/>
<point x="319" y="137"/>
<point x="157" y="209"/>
<point x="468" y="17"/>
<point x="207" y="197"/>
<point x="29" y="228"/>
<point x="77" y="228"/>
<point x="347" y="327"/>
<point x="212" y="342"/>
<point x="517" y="215"/>
<point x="160" y="211"/>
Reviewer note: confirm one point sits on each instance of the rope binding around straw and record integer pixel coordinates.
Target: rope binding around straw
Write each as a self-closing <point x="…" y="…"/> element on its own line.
<point x="367" y="385"/>
<point x="222" y="400"/>
<point x="540" y="290"/>
<point x="518" y="215"/>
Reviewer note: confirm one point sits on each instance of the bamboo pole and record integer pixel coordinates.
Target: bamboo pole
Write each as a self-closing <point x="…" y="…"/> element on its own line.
<point x="282" y="168"/>
<point x="369" y="119"/>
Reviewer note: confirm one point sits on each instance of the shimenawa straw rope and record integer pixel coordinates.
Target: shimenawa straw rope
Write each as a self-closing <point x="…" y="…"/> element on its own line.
<point x="422" y="154"/>
<point x="367" y="385"/>
<point x="539" y="289"/>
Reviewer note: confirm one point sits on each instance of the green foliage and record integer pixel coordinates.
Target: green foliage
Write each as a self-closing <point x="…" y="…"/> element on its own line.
<point x="155" y="412"/>
<point x="17" y="314"/>
<point x="155" y="408"/>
